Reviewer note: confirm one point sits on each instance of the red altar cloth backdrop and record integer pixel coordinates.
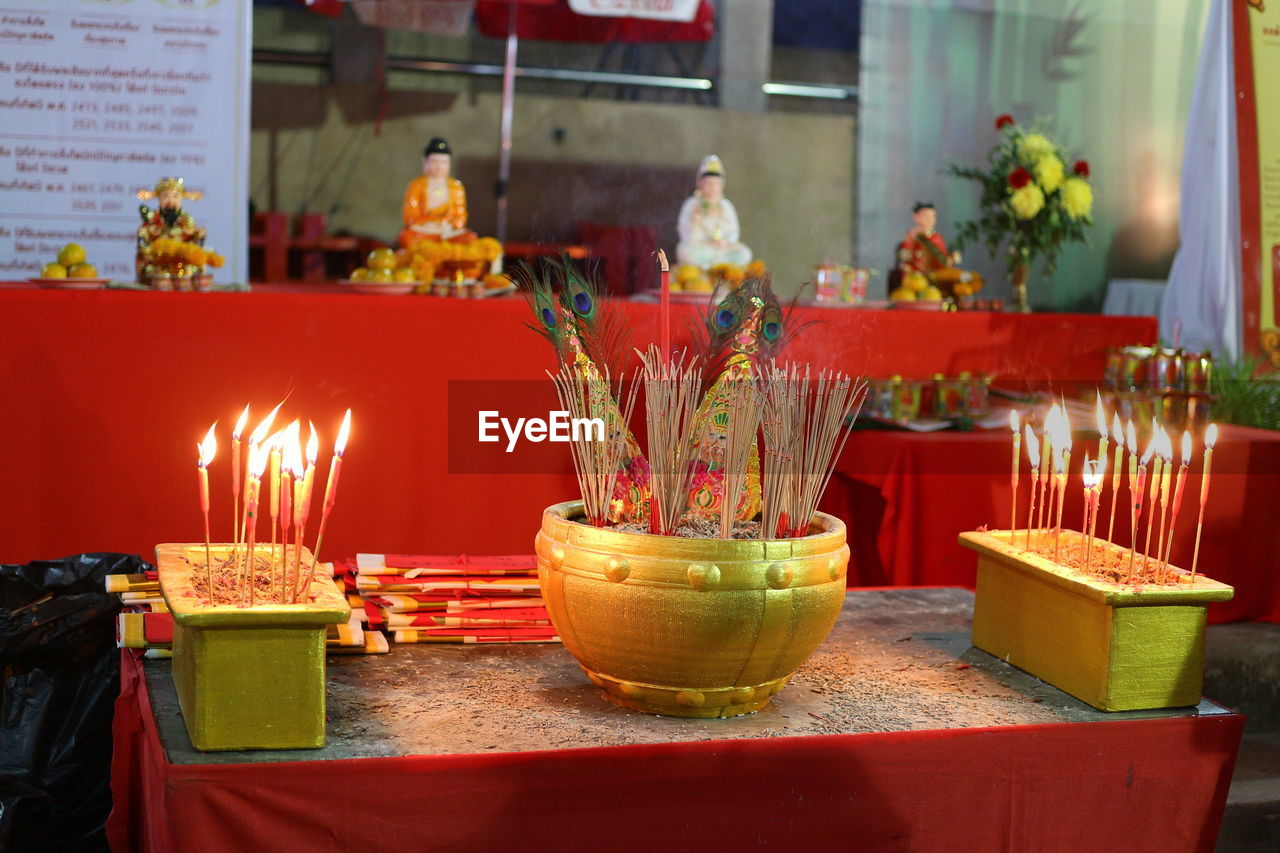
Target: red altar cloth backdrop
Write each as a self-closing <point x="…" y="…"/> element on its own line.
<point x="1157" y="784"/>
<point x="108" y="393"/>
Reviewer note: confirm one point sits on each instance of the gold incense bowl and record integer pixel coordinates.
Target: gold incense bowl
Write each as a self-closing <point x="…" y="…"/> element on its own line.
<point x="689" y="627"/>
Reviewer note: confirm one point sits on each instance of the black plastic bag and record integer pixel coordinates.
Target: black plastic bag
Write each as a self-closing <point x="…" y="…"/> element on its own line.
<point x="61" y="678"/>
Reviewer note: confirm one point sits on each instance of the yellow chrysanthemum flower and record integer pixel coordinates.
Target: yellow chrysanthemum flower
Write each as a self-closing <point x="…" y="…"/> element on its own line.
<point x="1077" y="197"/>
<point x="1027" y="202"/>
<point x="1049" y="172"/>
<point x="1033" y="146"/>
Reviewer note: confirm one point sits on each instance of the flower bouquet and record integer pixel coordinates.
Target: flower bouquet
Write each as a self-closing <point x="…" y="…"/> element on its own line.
<point x="1028" y="200"/>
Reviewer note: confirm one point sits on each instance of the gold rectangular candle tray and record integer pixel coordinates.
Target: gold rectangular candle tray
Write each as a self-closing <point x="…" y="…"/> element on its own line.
<point x="1119" y="647"/>
<point x="247" y="677"/>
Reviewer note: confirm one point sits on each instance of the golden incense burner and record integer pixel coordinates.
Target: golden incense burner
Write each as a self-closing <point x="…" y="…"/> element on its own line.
<point x="247" y="677"/>
<point x="689" y="627"/>
<point x="1119" y="647"/>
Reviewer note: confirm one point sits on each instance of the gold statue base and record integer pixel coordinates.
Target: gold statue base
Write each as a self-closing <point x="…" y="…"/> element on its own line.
<point x="689" y="627"/>
<point x="1117" y="647"/>
<point x="247" y="677"/>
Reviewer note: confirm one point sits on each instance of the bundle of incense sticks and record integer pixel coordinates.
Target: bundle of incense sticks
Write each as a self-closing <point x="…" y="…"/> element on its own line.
<point x="147" y="624"/>
<point x="671" y="407"/>
<point x="805" y="424"/>
<point x="597" y="460"/>
<point x="451" y="599"/>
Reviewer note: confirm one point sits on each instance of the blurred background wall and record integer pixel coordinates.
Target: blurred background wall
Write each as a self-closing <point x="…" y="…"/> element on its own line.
<point x="1112" y="78"/>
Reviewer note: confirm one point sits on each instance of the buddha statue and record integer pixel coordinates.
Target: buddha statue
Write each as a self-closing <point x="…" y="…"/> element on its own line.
<point x="435" y="203"/>
<point x="708" y="223"/>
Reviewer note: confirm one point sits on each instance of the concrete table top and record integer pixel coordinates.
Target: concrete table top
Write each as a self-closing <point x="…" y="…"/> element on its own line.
<point x="897" y="660"/>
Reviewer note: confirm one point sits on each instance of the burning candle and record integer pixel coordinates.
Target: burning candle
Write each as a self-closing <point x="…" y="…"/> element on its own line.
<point x="257" y="437"/>
<point x="275" y="445"/>
<point x="1166" y="481"/>
<point x="303" y="506"/>
<point x="1117" y="436"/>
<point x="1062" y="439"/>
<point x="1013" y="476"/>
<point x="257" y="464"/>
<point x="1033" y="456"/>
<point x="330" y="495"/>
<point x="206" y="450"/>
<point x="1092" y="476"/>
<point x="1138" y="493"/>
<point x="290" y="452"/>
<point x="235" y="476"/>
<point x="1157" y="468"/>
<point x="1210" y="439"/>
<point x="1100" y="414"/>
<point x="1046" y="464"/>
<point x="1177" y="501"/>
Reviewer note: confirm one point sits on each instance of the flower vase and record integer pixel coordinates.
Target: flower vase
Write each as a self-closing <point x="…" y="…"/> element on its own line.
<point x="1019" y="275"/>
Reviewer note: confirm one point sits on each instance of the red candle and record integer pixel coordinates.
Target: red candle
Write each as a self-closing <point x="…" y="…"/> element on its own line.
<point x="1210" y="439"/>
<point x="206" y="450"/>
<point x="1013" y="476"/>
<point x="235" y="474"/>
<point x="665" y="306"/>
<point x="330" y="495"/>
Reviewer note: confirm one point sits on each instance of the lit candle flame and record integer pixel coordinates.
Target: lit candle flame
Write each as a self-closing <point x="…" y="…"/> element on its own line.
<point x="1131" y="439"/>
<point x="208" y="447"/>
<point x="261" y="430"/>
<point x="1013" y="420"/>
<point x="1186" y="449"/>
<point x="1151" y="449"/>
<point x="1166" y="447"/>
<point x="293" y="450"/>
<point x="1033" y="449"/>
<point x="258" y="456"/>
<point x="1102" y="417"/>
<point x="313" y="446"/>
<point x="1211" y="436"/>
<point x="1117" y="433"/>
<point x="1092" y="473"/>
<point x="1061" y="435"/>
<point x="341" y="444"/>
<point x="239" y="430"/>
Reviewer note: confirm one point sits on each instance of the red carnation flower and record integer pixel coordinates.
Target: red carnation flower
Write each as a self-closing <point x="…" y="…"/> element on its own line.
<point x="1019" y="178"/>
<point x="1003" y="120"/>
<point x="1081" y="168"/>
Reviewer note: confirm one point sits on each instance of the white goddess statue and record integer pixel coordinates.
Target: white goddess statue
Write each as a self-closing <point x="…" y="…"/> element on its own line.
<point x="708" y="224"/>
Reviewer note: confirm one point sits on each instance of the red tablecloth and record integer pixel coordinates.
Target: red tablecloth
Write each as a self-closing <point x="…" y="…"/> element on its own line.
<point x="907" y="495"/>
<point x="107" y="393"/>
<point x="1157" y="784"/>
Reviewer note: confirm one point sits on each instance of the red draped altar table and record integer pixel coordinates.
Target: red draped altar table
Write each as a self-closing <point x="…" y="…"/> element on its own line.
<point x="107" y="393"/>
<point x="895" y="735"/>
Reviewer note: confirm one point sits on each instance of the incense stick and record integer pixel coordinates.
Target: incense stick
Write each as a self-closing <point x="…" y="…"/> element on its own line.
<point x="671" y="405"/>
<point x="599" y="447"/>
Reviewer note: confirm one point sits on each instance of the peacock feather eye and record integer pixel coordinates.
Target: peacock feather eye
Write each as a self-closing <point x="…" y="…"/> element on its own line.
<point x="725" y="318"/>
<point x="548" y="317"/>
<point x="772" y="329"/>
<point x="582" y="302"/>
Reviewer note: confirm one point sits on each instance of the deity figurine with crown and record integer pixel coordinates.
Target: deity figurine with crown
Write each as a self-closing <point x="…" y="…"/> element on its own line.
<point x="435" y="203"/>
<point x="168" y="231"/>
<point x="923" y="256"/>
<point x="708" y="223"/>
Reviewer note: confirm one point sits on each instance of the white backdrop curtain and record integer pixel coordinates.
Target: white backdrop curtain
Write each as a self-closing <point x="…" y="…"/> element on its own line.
<point x="1202" y="302"/>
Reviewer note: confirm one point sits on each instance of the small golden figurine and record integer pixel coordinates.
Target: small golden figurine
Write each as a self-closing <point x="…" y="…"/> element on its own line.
<point x="170" y="243"/>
